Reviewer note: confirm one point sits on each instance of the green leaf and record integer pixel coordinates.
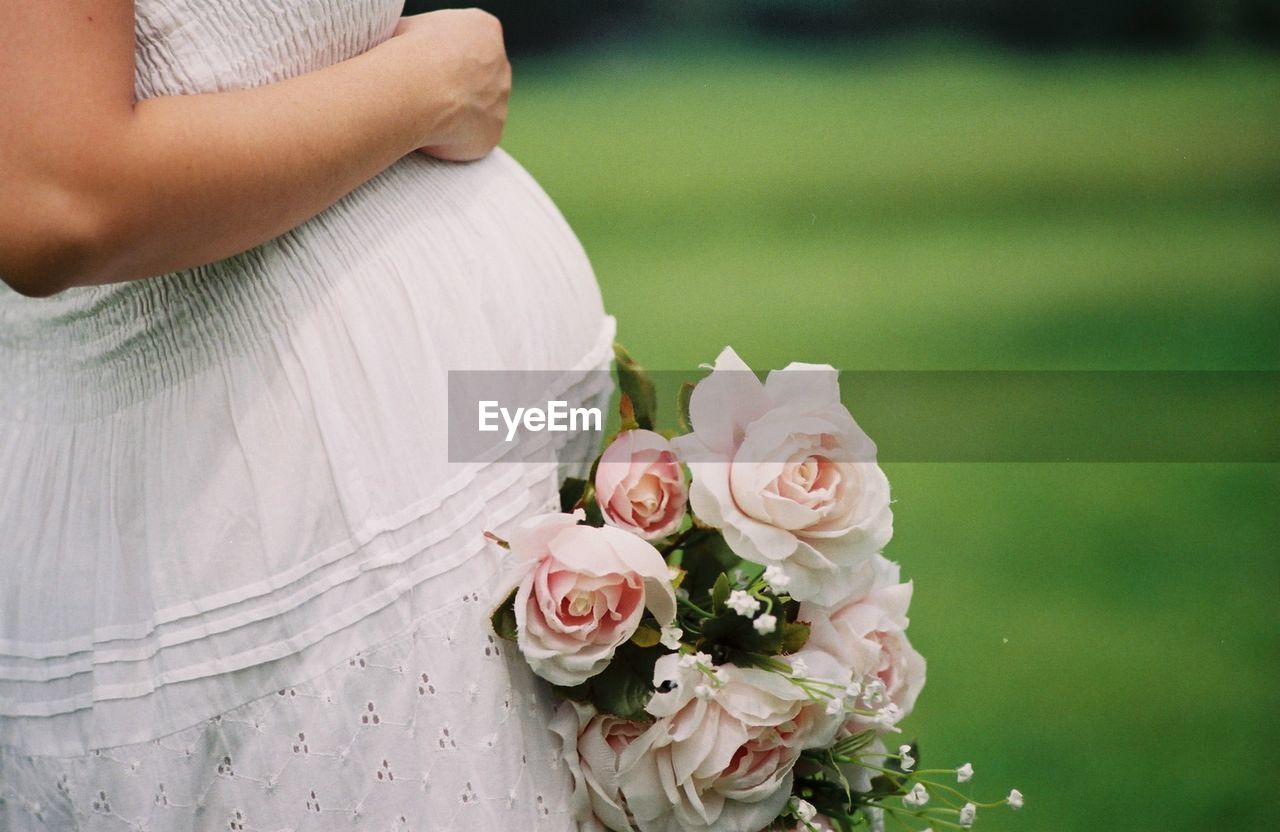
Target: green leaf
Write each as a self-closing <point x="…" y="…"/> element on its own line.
<point x="733" y="638"/>
<point x="504" y="618"/>
<point x="794" y="636"/>
<point x="634" y="382"/>
<point x="728" y="637"/>
<point x="626" y="415"/>
<point x="571" y="492"/>
<point x="592" y="508"/>
<point x="682" y="406"/>
<point x="887" y="785"/>
<point x="720" y="593"/>
<point x="646" y="636"/>
<point x="854" y="742"/>
<point x="706" y="555"/>
<point x="842" y="779"/>
<point x="750" y="571"/>
<point x="626" y="684"/>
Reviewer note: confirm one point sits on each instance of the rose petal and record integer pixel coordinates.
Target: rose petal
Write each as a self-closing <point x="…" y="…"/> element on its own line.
<point x="725" y="402"/>
<point x="804" y="385"/>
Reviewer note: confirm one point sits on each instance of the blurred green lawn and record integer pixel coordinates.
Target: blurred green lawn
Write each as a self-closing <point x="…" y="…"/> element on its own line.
<point x="1104" y="637"/>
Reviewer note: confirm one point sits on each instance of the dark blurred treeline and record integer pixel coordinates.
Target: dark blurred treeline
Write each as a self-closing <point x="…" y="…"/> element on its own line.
<point x="540" y="25"/>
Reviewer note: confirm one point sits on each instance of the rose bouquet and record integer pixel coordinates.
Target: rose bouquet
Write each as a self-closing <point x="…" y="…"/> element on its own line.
<point x="730" y="646"/>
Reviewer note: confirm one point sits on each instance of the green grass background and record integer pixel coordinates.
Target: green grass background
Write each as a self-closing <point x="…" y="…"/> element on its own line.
<point x="1102" y="636"/>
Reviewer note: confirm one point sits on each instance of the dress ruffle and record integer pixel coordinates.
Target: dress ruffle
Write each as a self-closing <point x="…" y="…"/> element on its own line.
<point x="218" y="481"/>
<point x="151" y="661"/>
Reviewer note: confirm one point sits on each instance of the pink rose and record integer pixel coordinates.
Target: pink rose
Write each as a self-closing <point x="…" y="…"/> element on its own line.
<point x="867" y="634"/>
<point x="580" y="592"/>
<point x="721" y="760"/>
<point x="591" y="744"/>
<point x="640" y="486"/>
<point x="787" y="475"/>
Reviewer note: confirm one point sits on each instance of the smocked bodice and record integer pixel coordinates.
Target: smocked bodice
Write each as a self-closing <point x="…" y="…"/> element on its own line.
<point x="220" y="481"/>
<point x="193" y="46"/>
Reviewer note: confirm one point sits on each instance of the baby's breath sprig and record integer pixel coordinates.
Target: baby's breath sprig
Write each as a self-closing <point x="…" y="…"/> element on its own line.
<point x="902" y="792"/>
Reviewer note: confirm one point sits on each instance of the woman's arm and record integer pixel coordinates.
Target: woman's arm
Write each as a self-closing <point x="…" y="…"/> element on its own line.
<point x="95" y="188"/>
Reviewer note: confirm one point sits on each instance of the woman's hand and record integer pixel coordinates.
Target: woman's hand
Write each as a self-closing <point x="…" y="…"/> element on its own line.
<point x="96" y="187"/>
<point x="464" y="66"/>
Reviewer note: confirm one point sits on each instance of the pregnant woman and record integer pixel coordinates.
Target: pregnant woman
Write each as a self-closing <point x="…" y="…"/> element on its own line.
<point x="242" y="587"/>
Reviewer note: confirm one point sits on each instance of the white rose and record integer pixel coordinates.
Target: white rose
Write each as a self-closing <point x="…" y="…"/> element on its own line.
<point x="591" y="743"/>
<point x="782" y="469"/>
<point x="724" y="761"/>
<point x="867" y="634"/>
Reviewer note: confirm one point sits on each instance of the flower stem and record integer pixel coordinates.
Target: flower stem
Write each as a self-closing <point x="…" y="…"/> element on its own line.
<point x="692" y="534"/>
<point x="690" y="605"/>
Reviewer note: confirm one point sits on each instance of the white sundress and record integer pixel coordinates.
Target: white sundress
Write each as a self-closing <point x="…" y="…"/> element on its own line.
<point x="241" y="585"/>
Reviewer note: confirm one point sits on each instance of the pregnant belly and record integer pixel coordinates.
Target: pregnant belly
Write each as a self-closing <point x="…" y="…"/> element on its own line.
<point x="461" y="265"/>
<point x="254" y="452"/>
<point x="478" y="250"/>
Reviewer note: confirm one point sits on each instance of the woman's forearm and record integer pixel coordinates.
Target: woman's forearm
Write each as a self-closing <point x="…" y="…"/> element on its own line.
<point x="203" y="177"/>
<point x="178" y="181"/>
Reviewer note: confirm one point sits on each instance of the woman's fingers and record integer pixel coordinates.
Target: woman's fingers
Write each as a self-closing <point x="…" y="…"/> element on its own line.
<point x="465" y="64"/>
